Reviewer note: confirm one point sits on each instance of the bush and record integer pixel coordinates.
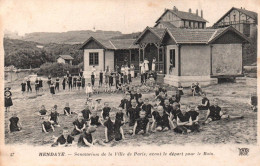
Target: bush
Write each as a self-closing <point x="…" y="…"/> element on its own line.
<point x="55" y="69"/>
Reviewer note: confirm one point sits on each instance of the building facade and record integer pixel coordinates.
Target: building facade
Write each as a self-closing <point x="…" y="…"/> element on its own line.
<point x="65" y="59"/>
<point x="243" y="20"/>
<point x="173" y="18"/>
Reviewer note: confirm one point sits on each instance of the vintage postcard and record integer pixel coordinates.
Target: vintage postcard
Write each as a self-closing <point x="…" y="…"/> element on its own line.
<point x="116" y="82"/>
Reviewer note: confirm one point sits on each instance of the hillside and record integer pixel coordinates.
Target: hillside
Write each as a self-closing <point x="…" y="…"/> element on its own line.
<point x="70" y="37"/>
<point x="26" y="54"/>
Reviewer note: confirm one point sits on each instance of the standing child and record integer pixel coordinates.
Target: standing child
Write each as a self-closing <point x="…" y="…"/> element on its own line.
<point x="83" y="80"/>
<point x="74" y="82"/>
<point x="132" y="70"/>
<point x="100" y="78"/>
<point x="14" y="124"/>
<point x="57" y="84"/>
<point x="92" y="79"/>
<point x="36" y="85"/>
<point x="79" y="125"/>
<point x="142" y="124"/>
<point x="79" y="83"/>
<point x="8" y="99"/>
<point x="40" y="84"/>
<point x="129" y="76"/>
<point x="52" y="88"/>
<point x="64" y="83"/>
<point x="29" y="88"/>
<point x="105" y="111"/>
<point x="119" y="122"/>
<point x="47" y="125"/>
<point x="89" y="90"/>
<point x="49" y="80"/>
<point x="110" y="80"/>
<point x="23" y="84"/>
<point x="67" y="110"/>
<point x="70" y="82"/>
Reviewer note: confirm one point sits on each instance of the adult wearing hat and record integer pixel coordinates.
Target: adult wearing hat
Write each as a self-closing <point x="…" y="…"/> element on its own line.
<point x="8" y="99"/>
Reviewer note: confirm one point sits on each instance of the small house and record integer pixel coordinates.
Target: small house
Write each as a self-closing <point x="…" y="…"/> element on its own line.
<point x="65" y="59"/>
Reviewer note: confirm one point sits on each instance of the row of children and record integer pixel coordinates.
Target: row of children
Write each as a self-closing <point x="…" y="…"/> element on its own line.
<point x="26" y="84"/>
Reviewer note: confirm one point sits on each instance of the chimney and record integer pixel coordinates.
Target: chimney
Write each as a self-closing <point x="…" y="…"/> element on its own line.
<point x="197" y="12"/>
<point x="201" y="13"/>
<point x="189" y="10"/>
<point x="175" y="8"/>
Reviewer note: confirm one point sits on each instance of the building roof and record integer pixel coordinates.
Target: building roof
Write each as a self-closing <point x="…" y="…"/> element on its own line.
<point x="66" y="57"/>
<point x="199" y="36"/>
<point x="159" y="32"/>
<point x="166" y="24"/>
<point x="113" y="44"/>
<point x="251" y="14"/>
<point x="183" y="15"/>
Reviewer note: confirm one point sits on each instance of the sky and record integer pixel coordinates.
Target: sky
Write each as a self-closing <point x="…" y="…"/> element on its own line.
<point x="127" y="16"/>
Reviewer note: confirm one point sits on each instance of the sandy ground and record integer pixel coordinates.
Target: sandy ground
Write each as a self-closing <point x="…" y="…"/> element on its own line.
<point x="234" y="98"/>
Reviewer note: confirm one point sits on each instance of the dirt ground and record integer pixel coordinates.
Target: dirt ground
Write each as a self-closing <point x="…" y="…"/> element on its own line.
<point x="234" y="98"/>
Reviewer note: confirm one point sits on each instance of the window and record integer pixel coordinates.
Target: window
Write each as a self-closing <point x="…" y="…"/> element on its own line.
<point x="93" y="58"/>
<point x="172" y="57"/>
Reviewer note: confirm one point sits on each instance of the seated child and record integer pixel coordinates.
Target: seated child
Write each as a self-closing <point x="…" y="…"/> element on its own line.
<point x="109" y="129"/>
<point x="54" y="116"/>
<point x="192" y="89"/>
<point x="204" y="103"/>
<point x="138" y="94"/>
<point x="133" y="113"/>
<point x="86" y="139"/>
<point x="161" y="119"/>
<point x="156" y="90"/>
<point x="14" y="124"/>
<point x="79" y="125"/>
<point x="119" y="122"/>
<point x="172" y="100"/>
<point x="147" y="108"/>
<point x="140" y="102"/>
<point x="67" y="110"/>
<point x="105" y="111"/>
<point x="167" y="107"/>
<point x="86" y="112"/>
<point x="47" y="125"/>
<point x="42" y="111"/>
<point x="94" y="120"/>
<point x="184" y="122"/>
<point x="142" y="124"/>
<point x="65" y="139"/>
<point x="98" y="104"/>
<point x="215" y="113"/>
<point x="180" y="89"/>
<point x="253" y="102"/>
<point x="194" y="116"/>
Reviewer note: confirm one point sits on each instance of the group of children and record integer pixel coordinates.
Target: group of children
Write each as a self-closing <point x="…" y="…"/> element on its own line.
<point x="139" y="116"/>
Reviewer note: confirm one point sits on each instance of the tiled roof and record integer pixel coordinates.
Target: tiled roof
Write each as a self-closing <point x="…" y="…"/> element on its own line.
<point x="159" y="31"/>
<point x="114" y="44"/>
<point x="67" y="57"/>
<point x="166" y="24"/>
<point x="184" y="15"/>
<point x="191" y="35"/>
<point x="200" y="36"/>
<point x="123" y="43"/>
